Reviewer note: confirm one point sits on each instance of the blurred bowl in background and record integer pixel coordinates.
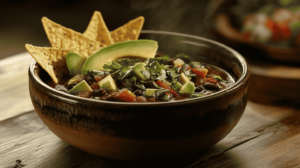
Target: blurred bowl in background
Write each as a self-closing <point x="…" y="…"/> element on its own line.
<point x="229" y="34"/>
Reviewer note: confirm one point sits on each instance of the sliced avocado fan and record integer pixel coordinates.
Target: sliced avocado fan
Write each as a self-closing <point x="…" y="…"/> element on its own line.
<point x="137" y="48"/>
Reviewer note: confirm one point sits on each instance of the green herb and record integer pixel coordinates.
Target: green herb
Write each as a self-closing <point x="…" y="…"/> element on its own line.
<point x="218" y="78"/>
<point x="159" y="92"/>
<point x="113" y="65"/>
<point x="99" y="73"/>
<point x="132" y="82"/>
<point x="154" y="70"/>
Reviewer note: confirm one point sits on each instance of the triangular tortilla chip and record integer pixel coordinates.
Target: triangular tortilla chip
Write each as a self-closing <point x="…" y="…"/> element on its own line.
<point x="52" y="60"/>
<point x="129" y="31"/>
<point x="97" y="30"/>
<point x="68" y="39"/>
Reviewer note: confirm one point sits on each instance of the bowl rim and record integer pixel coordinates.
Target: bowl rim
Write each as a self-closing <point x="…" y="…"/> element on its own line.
<point x="245" y="72"/>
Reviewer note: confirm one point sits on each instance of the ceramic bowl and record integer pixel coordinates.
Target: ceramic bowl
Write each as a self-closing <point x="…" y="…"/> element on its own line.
<point x="148" y="131"/>
<point x="223" y="27"/>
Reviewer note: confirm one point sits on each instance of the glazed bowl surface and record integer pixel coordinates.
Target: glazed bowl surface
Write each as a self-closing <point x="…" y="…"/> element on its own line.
<point x="148" y="131"/>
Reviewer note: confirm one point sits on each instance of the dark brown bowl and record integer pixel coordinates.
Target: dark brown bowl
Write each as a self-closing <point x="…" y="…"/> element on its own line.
<point x="148" y="131"/>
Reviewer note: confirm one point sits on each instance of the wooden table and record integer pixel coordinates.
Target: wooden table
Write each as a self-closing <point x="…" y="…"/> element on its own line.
<point x="266" y="136"/>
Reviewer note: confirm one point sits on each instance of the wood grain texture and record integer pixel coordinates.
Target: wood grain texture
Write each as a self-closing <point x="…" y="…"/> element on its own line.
<point x="14" y="93"/>
<point x="261" y="138"/>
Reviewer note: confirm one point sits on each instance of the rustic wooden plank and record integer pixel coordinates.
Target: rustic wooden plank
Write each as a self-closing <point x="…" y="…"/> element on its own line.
<point x="278" y="146"/>
<point x="25" y="138"/>
<point x="14" y="93"/>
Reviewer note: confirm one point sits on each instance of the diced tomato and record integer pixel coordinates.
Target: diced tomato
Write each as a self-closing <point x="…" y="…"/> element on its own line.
<point x="98" y="78"/>
<point x="173" y="92"/>
<point x="270" y="24"/>
<point x="280" y="31"/>
<point x="166" y="85"/>
<point x="84" y="93"/>
<point x="211" y="80"/>
<point x="95" y="86"/>
<point x="163" y="84"/>
<point x="201" y="72"/>
<point x="127" y="96"/>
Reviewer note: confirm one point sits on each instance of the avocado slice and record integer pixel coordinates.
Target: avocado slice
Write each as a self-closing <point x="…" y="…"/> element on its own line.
<point x="137" y="48"/>
<point x="74" y="63"/>
<point x="140" y="71"/>
<point x="183" y="79"/>
<point x="150" y="92"/>
<point x="108" y="84"/>
<point x="75" y="80"/>
<point x="176" y="86"/>
<point x="187" y="88"/>
<point x="82" y="86"/>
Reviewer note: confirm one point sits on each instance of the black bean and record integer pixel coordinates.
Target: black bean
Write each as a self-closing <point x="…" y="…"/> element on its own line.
<point x="138" y="92"/>
<point x="170" y="62"/>
<point x="198" y="88"/>
<point x="211" y="86"/>
<point x="90" y="80"/>
<point x="99" y="92"/>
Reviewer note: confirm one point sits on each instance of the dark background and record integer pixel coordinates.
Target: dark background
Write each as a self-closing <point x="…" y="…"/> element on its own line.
<point x="20" y="20"/>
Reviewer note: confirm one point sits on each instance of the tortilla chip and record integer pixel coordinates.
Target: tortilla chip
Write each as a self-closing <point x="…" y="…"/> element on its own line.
<point x="97" y="30"/>
<point x="129" y="31"/>
<point x="68" y="39"/>
<point x="52" y="60"/>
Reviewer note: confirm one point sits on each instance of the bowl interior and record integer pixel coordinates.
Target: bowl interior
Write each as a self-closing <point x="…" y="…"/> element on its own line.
<point x="199" y="49"/>
<point x="171" y="43"/>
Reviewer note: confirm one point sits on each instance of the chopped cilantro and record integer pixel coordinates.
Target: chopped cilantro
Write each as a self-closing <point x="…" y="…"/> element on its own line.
<point x="113" y="65"/>
<point x="159" y="92"/>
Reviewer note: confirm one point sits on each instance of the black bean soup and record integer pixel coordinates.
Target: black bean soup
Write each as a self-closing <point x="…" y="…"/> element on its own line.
<point x="157" y="79"/>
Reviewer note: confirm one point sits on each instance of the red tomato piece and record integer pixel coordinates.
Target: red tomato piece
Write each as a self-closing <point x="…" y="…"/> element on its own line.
<point x="173" y="92"/>
<point x="98" y="78"/>
<point x="201" y="72"/>
<point x="280" y="32"/>
<point x="270" y="24"/>
<point x="166" y="85"/>
<point x="95" y="86"/>
<point x="211" y="80"/>
<point x="127" y="96"/>
<point x="163" y="84"/>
